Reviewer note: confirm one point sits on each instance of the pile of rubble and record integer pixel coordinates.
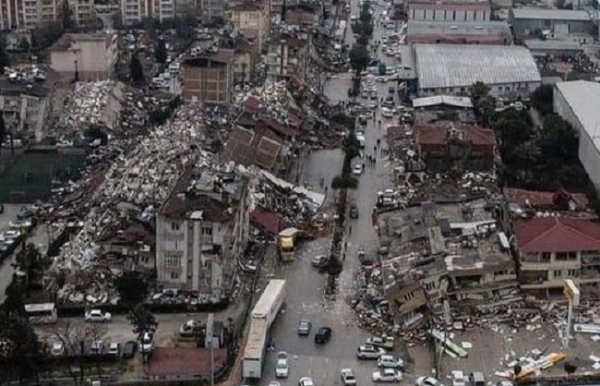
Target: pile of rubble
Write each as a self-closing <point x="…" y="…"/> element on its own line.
<point x="142" y="177"/>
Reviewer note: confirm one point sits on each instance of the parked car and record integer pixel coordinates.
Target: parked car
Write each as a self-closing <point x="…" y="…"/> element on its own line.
<point x="97" y="316"/>
<point x="323" y="335"/>
<point x="58" y="349"/>
<point x="348" y="378"/>
<point x="147" y="345"/>
<point x="114" y="349"/>
<point x="387" y="375"/>
<point x="129" y="349"/>
<point x="389" y="361"/>
<point x="191" y="328"/>
<point x="304" y="327"/>
<point x="318" y="261"/>
<point x="306" y="381"/>
<point x="386" y="342"/>
<point x="357" y="169"/>
<point x="282" y="368"/>
<point x="369" y="352"/>
<point x="97" y="347"/>
<point x="12" y="234"/>
<point x="428" y="381"/>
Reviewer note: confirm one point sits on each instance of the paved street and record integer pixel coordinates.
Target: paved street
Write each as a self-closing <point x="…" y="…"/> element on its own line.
<point x="305" y="283"/>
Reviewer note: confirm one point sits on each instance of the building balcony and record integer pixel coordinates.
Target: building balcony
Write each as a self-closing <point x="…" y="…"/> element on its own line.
<point x="550" y="266"/>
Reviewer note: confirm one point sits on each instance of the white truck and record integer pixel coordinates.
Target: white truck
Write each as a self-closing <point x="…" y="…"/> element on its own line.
<point x="263" y="314"/>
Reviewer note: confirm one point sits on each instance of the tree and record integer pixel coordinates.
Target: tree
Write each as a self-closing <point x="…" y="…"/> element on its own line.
<point x="136" y="69"/>
<point x="570" y="368"/>
<point x="132" y="287"/>
<point x="142" y="320"/>
<point x="13" y="304"/>
<point x="558" y="141"/>
<point x="3" y="131"/>
<point x="21" y="354"/>
<point x="359" y="58"/>
<point x="160" y="54"/>
<point x="542" y="99"/>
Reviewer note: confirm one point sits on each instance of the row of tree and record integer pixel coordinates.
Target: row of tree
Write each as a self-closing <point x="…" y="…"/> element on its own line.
<point x="359" y="53"/>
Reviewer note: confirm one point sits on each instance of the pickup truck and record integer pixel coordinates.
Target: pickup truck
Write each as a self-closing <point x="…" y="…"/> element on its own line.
<point x="386" y="342"/>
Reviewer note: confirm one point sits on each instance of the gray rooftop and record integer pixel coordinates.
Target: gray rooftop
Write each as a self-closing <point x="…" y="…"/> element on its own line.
<point x="584" y="98"/>
<point x="551" y="14"/>
<point x="553" y="45"/>
<point x="452" y="28"/>
<point x="449" y="65"/>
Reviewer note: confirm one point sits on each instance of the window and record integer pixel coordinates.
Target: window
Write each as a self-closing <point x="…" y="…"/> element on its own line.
<point x="561" y="256"/>
<point x="207" y="231"/>
<point x="545" y="257"/>
<point x="172" y="261"/>
<point x="174" y="276"/>
<point x="175" y="226"/>
<point x="409" y="296"/>
<point x="572" y="273"/>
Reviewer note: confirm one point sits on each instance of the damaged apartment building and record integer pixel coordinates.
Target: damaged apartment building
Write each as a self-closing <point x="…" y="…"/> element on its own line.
<point x="439" y="252"/>
<point x="201" y="229"/>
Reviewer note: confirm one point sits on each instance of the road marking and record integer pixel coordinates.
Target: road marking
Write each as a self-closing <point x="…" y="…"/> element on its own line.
<point x="310" y="362"/>
<point x="326" y="368"/>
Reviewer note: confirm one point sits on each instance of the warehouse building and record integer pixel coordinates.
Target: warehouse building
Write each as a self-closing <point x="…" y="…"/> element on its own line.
<point x="450" y="69"/>
<point x="454" y="11"/>
<point x="577" y="103"/>
<point x="553" y="22"/>
<point x="448" y="32"/>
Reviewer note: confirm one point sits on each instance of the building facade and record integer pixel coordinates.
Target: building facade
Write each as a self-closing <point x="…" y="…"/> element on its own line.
<point x="553" y="249"/>
<point x="553" y="22"/>
<point x="27" y="14"/>
<point x="244" y="62"/>
<point x="444" y="32"/>
<point x="250" y="18"/>
<point x="288" y="55"/>
<point x="208" y="77"/>
<point x="93" y="56"/>
<point x="211" y="10"/>
<point x="134" y="11"/>
<point x="451" y="11"/>
<point x="201" y="230"/>
<point x="24" y="107"/>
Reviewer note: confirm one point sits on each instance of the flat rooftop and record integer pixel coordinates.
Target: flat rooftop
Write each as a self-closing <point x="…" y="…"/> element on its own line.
<point x="583" y="97"/>
<point x="420" y="27"/>
<point x="551" y="14"/>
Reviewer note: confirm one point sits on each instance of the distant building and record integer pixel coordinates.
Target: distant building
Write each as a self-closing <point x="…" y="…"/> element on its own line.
<point x="27" y="14"/>
<point x="451" y="69"/>
<point x="303" y="14"/>
<point x="134" y="11"/>
<point x="201" y="230"/>
<point x="288" y="55"/>
<point x="24" y="106"/>
<point x="451" y="11"/>
<point x="92" y="56"/>
<point x="553" y="249"/>
<point x="577" y="102"/>
<point x="212" y="9"/>
<point x="448" y="147"/>
<point x="208" y="76"/>
<point x="244" y="62"/>
<point x="553" y="23"/>
<point x="83" y="13"/>
<point x="250" y="16"/>
<point x="447" y="32"/>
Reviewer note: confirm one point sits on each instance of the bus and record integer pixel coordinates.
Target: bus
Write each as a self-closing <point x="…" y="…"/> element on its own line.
<point x="44" y="313"/>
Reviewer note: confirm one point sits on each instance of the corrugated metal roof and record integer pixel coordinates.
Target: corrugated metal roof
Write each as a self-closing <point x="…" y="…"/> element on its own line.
<point x="584" y="98"/>
<point x="451" y="27"/>
<point x="443" y="100"/>
<point x="553" y="45"/>
<point x="445" y="65"/>
<point x="551" y="14"/>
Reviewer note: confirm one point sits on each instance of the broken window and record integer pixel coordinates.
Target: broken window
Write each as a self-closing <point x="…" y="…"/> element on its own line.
<point x="207" y="231"/>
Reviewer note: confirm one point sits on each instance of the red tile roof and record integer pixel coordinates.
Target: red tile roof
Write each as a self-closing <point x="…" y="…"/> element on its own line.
<point x="267" y="220"/>
<point x="556" y="234"/>
<point x="541" y="199"/>
<point x="247" y="147"/>
<point x="171" y="361"/>
<point x="437" y="134"/>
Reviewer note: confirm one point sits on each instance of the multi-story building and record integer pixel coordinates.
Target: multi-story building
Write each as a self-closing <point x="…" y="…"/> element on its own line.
<point x="84" y="13"/>
<point x="244" y="62"/>
<point x="288" y="55"/>
<point x="26" y="14"/>
<point x="552" y="249"/>
<point x="92" y="56"/>
<point x="250" y="17"/>
<point x="303" y="13"/>
<point x="453" y="11"/>
<point x="200" y="231"/>
<point x="24" y="106"/>
<point x="211" y="10"/>
<point x="134" y="11"/>
<point x="554" y="23"/>
<point x="446" y="32"/>
<point x="49" y="11"/>
<point x="208" y="76"/>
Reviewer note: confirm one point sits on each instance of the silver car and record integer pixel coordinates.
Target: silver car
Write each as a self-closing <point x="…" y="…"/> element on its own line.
<point x="304" y="327"/>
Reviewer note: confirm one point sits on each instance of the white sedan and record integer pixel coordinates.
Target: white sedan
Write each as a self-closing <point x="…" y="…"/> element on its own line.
<point x="428" y="381"/>
<point x="357" y="170"/>
<point x="387" y="375"/>
<point x="97" y="316"/>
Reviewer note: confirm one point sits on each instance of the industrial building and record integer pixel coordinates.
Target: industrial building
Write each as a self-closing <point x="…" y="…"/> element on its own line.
<point x="555" y="48"/>
<point x="453" y="11"/>
<point x="577" y="102"/>
<point x="448" y="32"/>
<point x="450" y="69"/>
<point x="552" y="22"/>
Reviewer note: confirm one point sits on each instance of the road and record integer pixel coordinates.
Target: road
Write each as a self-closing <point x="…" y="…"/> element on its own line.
<point x="305" y="284"/>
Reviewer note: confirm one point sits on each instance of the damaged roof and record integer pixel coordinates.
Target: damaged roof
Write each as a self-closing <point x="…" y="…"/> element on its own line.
<point x="539" y="199"/>
<point x="259" y="147"/>
<point x="438" y="134"/>
<point x="556" y="234"/>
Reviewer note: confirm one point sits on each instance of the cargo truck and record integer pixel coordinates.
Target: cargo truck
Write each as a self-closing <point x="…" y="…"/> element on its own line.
<point x="286" y="242"/>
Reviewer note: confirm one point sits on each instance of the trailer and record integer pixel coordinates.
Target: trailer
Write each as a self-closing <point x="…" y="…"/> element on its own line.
<point x="263" y="314"/>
